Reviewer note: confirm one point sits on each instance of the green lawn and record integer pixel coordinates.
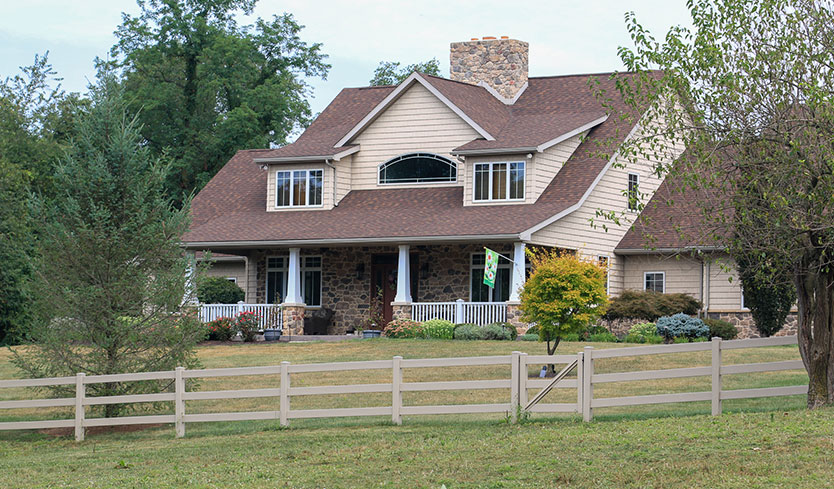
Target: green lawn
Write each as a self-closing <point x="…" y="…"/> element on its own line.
<point x="758" y="443"/>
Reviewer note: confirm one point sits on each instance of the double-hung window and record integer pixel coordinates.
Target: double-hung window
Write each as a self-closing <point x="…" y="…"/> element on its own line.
<point x="298" y="188"/>
<point x="499" y="181"/>
<point x="277" y="271"/>
<point x="478" y="292"/>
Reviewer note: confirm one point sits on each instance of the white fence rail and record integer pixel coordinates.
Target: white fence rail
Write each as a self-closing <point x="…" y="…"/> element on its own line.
<point x="460" y="311"/>
<point x="269" y="315"/>
<point x="518" y="385"/>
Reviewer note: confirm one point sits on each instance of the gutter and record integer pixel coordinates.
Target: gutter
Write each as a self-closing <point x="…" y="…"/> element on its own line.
<point x="200" y="245"/>
<point x="656" y="251"/>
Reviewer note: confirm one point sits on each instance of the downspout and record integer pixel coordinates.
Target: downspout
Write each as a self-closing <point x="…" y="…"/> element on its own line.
<point x="328" y="163"/>
<point x="705" y="271"/>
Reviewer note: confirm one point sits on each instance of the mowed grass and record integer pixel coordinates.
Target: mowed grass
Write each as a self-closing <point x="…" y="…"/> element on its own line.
<point x="758" y="443"/>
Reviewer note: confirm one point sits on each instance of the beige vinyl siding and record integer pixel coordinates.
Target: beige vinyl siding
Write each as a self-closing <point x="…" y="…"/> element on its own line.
<point x="416" y="122"/>
<point x="682" y="273"/>
<point x="327" y="190"/>
<point x="343" y="177"/>
<point x="230" y="269"/>
<point x="724" y="286"/>
<point x="469" y="179"/>
<point x="592" y="235"/>
<point x="550" y="161"/>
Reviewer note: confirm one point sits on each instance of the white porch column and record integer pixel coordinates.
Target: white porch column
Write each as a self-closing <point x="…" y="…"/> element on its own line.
<point x="403" y="276"/>
<point x="517" y="280"/>
<point x="294" y="278"/>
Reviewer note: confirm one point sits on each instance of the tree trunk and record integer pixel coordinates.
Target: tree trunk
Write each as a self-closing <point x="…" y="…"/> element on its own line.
<point x="552" y="351"/>
<point x="815" y="324"/>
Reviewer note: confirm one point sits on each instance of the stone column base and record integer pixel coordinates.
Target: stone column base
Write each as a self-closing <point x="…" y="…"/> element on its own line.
<point x="401" y="310"/>
<point x="514" y="317"/>
<point x="293" y="316"/>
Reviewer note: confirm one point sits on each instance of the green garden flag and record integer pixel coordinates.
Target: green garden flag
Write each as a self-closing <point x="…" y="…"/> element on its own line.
<point x="490" y="267"/>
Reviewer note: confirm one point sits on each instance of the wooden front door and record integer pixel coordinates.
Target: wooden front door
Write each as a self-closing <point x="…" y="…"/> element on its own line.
<point x="384" y="286"/>
<point x="384" y="282"/>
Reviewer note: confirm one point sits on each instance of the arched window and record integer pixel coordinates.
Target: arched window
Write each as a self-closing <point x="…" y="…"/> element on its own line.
<point x="418" y="168"/>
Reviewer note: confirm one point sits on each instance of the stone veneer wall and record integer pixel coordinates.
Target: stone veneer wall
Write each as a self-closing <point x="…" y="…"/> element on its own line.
<point x="447" y="278"/>
<point x="501" y="63"/>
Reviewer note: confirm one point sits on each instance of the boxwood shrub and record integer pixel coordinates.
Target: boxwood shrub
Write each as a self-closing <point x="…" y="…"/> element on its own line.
<point x="721" y="329"/>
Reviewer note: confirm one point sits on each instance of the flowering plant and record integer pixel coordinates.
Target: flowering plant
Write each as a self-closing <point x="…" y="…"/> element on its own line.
<point x="403" y="328"/>
<point x="248" y="323"/>
<point x="222" y="329"/>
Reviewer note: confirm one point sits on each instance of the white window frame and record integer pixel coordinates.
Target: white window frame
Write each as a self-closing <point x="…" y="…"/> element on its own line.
<point x="232" y="280"/>
<point x="637" y="192"/>
<point x="662" y="274"/>
<point x="491" y="172"/>
<point x="417" y="155"/>
<point x="472" y="267"/>
<point x="302" y="268"/>
<point x="292" y="172"/>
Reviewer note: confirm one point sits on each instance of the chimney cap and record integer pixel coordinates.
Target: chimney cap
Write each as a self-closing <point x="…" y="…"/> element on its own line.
<point x="489" y="38"/>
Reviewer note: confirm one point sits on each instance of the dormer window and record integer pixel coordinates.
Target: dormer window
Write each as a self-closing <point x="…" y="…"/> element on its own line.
<point x="298" y="188"/>
<point x="418" y="168"/>
<point x="499" y="181"/>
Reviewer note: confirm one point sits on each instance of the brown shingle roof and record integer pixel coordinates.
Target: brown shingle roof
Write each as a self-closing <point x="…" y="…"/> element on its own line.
<point x="232" y="207"/>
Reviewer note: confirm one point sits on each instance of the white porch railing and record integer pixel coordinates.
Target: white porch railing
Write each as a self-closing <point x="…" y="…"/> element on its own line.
<point x="268" y="314"/>
<point x="460" y="311"/>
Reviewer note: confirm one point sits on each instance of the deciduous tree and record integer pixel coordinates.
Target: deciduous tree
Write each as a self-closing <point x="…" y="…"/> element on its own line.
<point x="748" y="89"/>
<point x="390" y="73"/>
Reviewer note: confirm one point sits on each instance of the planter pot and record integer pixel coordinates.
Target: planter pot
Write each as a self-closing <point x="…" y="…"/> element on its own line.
<point x="272" y="334"/>
<point x="371" y="333"/>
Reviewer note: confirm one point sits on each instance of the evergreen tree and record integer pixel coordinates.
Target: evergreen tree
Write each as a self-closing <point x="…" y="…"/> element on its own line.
<point x="109" y="278"/>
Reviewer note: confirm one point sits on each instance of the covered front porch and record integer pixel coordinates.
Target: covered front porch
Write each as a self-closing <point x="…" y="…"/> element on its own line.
<point x="345" y="285"/>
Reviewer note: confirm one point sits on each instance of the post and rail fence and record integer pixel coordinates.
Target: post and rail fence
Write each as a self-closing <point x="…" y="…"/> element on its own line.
<point x="518" y="385"/>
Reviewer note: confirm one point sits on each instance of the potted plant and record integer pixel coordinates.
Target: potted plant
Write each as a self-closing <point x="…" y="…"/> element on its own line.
<point x="272" y="332"/>
<point x="369" y="327"/>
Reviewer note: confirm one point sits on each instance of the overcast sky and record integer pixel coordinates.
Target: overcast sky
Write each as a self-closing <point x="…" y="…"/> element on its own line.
<point x="564" y="36"/>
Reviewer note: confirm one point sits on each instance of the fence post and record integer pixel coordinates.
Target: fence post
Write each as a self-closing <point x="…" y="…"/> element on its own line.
<point x="179" y="403"/>
<point x="580" y="379"/>
<point x="80" y="394"/>
<point x="716" y="376"/>
<point x="396" y="392"/>
<point x="522" y="380"/>
<point x="285" y="394"/>
<point x="587" y="386"/>
<point x="515" y="375"/>
<point x="459" y="311"/>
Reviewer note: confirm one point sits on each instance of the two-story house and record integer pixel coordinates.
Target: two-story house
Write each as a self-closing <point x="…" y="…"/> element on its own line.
<point x="395" y="191"/>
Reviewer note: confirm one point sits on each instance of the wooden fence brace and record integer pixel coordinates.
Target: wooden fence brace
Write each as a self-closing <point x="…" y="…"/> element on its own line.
<point x="396" y="392"/>
<point x="587" y="386"/>
<point x="522" y="387"/>
<point x="515" y="383"/>
<point x="179" y="402"/>
<point x="580" y="379"/>
<point x="285" y="394"/>
<point x="716" y="376"/>
<point x="80" y="393"/>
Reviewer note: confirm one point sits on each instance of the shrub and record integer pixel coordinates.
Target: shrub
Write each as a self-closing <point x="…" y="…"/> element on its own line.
<point x="403" y="328"/>
<point x="606" y="337"/>
<point x="650" y="305"/>
<point x="218" y="290"/>
<point x="529" y="337"/>
<point x="468" y="332"/>
<point x="496" y="331"/>
<point x="653" y="339"/>
<point x="681" y="326"/>
<point x="439" y="328"/>
<point x="222" y="329"/>
<point x="639" y="333"/>
<point x="571" y="337"/>
<point x="510" y="329"/>
<point x="248" y="323"/>
<point x="721" y="329"/>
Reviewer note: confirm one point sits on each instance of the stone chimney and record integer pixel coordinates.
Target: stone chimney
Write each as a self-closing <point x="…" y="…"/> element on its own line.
<point x="500" y="63"/>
